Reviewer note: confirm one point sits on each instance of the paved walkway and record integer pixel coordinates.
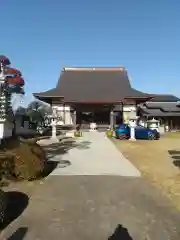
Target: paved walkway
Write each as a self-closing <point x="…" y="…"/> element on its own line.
<point x="93" y="154"/>
<point x="92" y="207"/>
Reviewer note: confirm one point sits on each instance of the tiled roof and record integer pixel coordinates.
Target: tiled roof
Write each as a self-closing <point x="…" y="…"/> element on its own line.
<point x="158" y="113"/>
<point x="93" y="85"/>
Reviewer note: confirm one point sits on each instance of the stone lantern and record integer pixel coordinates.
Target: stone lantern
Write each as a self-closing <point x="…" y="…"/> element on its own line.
<point x="93" y="126"/>
<point x="153" y="124"/>
<point x="54" y="119"/>
<point x="132" y="125"/>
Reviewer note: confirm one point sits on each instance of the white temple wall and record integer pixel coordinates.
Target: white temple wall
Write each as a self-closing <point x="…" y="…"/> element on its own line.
<point x="64" y="112"/>
<point x="129" y="111"/>
<point x="66" y="115"/>
<point x="5" y="129"/>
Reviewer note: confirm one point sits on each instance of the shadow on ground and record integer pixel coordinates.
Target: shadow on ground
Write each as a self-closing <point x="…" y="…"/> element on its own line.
<point x="120" y="233"/>
<point x="175" y="155"/>
<point x="64" y="146"/>
<point x="55" y="150"/>
<point x="19" y="234"/>
<point x="16" y="204"/>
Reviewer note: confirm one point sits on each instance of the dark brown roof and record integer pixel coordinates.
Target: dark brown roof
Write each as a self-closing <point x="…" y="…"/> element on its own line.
<point x="158" y="113"/>
<point x="164" y="106"/>
<point x="164" y="98"/>
<point x="160" y="109"/>
<point x="93" y="85"/>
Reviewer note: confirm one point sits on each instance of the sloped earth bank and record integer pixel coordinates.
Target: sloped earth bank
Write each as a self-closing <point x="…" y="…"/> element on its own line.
<point x="92" y="207"/>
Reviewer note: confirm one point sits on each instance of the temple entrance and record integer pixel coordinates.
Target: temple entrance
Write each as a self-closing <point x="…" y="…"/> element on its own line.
<point x="100" y="114"/>
<point x="118" y="118"/>
<point x="100" y="117"/>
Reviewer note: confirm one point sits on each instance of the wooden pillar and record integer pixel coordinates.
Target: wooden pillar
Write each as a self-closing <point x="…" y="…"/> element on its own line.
<point x="74" y="119"/>
<point x="114" y="118"/>
<point x="171" y="120"/>
<point x="122" y="113"/>
<point x="64" y="114"/>
<point x="111" y="119"/>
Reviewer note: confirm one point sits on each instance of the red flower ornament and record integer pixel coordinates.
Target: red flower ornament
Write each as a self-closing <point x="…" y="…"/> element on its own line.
<point x="4" y="60"/>
<point x="16" y="80"/>
<point x="12" y="71"/>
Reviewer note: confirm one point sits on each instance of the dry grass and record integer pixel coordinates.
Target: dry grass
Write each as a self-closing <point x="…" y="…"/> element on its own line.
<point x="172" y="135"/>
<point x="155" y="162"/>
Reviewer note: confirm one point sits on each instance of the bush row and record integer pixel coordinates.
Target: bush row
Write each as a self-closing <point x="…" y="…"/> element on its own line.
<point x="21" y="159"/>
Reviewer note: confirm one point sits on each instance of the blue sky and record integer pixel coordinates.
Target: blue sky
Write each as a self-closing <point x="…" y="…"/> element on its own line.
<point x="40" y="37"/>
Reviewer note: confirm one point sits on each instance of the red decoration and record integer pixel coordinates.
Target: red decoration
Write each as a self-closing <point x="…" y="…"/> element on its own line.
<point x="16" y="80"/>
<point x="4" y="60"/>
<point x="12" y="71"/>
<point x="13" y="81"/>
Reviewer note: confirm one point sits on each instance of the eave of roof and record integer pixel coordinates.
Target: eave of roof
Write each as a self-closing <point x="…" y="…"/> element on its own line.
<point x="164" y="106"/>
<point x="158" y="113"/>
<point x="48" y="95"/>
<point x="164" y="98"/>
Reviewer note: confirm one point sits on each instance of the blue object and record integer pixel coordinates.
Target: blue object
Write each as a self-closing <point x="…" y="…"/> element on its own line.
<point x="123" y="132"/>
